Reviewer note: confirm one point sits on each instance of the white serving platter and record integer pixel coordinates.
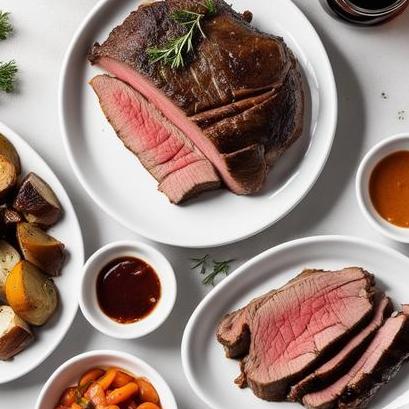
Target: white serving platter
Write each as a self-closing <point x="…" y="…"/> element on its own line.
<point x="117" y="182"/>
<point x="68" y="231"/>
<point x="211" y="375"/>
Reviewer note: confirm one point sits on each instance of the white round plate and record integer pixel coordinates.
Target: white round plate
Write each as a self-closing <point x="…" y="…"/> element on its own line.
<point x="124" y="189"/>
<point x="68" y="231"/>
<point x="211" y="375"/>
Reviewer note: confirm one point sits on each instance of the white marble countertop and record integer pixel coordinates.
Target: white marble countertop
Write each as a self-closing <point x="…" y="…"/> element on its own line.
<point x="366" y="62"/>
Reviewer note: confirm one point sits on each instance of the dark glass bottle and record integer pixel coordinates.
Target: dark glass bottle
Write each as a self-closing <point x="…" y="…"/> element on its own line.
<point x="366" y="12"/>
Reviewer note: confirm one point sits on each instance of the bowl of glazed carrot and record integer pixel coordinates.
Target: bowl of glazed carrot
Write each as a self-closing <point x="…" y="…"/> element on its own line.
<point x="106" y="380"/>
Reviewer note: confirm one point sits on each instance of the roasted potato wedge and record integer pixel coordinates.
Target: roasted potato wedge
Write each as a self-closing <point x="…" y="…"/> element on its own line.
<point x="15" y="334"/>
<point x="8" y="176"/>
<point x="8" y="150"/>
<point x="9" y="257"/>
<point x="9" y="166"/>
<point x="31" y="294"/>
<point x="37" y="201"/>
<point x="40" y="249"/>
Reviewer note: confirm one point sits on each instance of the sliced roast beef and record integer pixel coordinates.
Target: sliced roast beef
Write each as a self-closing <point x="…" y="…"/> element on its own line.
<point x="233" y="330"/>
<point x="239" y="98"/>
<point x="171" y="158"/>
<point x="377" y="366"/>
<point x="291" y="330"/>
<point x="344" y="359"/>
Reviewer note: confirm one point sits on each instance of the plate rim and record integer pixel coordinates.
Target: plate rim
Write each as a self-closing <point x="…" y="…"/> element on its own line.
<point x="146" y="233"/>
<point x="34" y="363"/>
<point x="186" y="365"/>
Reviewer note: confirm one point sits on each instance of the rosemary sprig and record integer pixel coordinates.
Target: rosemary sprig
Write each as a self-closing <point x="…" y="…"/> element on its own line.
<point x="5" y="26"/>
<point x="8" y="71"/>
<point x="202" y="263"/>
<point x="219" y="267"/>
<point x="174" y="51"/>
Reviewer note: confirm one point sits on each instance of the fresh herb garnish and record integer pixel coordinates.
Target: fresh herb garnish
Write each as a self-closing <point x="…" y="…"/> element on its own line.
<point x="174" y="51"/>
<point x="8" y="71"/>
<point x="5" y="26"/>
<point x="219" y="267"/>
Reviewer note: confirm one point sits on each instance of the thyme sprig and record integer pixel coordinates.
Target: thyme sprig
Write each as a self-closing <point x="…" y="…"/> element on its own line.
<point x="5" y="26"/>
<point x="173" y="53"/>
<point x="218" y="268"/>
<point x="8" y="71"/>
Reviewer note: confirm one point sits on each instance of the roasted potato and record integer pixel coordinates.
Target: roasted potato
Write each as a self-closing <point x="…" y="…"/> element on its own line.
<point x="8" y="150"/>
<point x="9" y="166"/>
<point x="37" y="201"/>
<point x="31" y="294"/>
<point x="40" y="249"/>
<point x="15" y="334"/>
<point x="9" y="257"/>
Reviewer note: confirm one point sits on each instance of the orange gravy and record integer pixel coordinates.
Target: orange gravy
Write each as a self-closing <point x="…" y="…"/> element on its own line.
<point x="389" y="188"/>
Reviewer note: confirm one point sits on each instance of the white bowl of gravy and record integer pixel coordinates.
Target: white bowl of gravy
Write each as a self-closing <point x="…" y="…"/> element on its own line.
<point x="128" y="289"/>
<point x="382" y="187"/>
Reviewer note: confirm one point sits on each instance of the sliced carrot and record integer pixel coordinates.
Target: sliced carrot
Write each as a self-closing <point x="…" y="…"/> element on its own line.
<point x="76" y="406"/>
<point x="96" y="394"/>
<point x="69" y="396"/>
<point x="106" y="380"/>
<point x="121" y="379"/>
<point x="122" y="394"/>
<point x="148" y="405"/>
<point x="147" y="392"/>
<point x="91" y="376"/>
<point x="132" y="405"/>
<point x="112" y="407"/>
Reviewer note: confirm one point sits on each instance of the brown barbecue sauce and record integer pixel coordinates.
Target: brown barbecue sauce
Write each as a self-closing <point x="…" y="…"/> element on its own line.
<point x="128" y="289"/>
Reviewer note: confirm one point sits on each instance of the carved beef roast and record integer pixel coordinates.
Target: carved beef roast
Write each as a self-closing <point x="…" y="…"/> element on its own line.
<point x="239" y="98"/>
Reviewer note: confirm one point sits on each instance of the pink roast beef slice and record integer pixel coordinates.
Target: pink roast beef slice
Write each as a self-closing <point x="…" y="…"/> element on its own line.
<point x="171" y="158"/>
<point x="293" y="329"/>
<point x="377" y="366"/>
<point x="344" y="359"/>
<point x="232" y="66"/>
<point x="233" y="330"/>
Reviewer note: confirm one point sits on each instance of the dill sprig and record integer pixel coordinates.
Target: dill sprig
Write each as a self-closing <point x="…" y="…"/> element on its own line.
<point x="8" y="71"/>
<point x="218" y="268"/>
<point x="5" y="26"/>
<point x="174" y="51"/>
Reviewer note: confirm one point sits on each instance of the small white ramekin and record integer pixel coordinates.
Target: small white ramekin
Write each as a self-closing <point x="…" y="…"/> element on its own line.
<point x="372" y="158"/>
<point x="69" y="373"/>
<point x="88" y="295"/>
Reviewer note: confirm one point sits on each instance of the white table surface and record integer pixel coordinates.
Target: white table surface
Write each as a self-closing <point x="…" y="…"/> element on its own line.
<point x="366" y="62"/>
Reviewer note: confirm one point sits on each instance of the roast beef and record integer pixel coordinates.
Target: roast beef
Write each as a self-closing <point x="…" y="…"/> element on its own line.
<point x="344" y="359"/>
<point x="291" y="330"/>
<point x="239" y="97"/>
<point x="377" y="366"/>
<point x="171" y="158"/>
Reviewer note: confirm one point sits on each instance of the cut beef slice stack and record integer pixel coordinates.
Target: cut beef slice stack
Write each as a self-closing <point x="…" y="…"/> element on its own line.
<point x="239" y="98"/>
<point x="171" y="158"/>
<point x="291" y="330"/>
<point x="376" y="367"/>
<point x="326" y="339"/>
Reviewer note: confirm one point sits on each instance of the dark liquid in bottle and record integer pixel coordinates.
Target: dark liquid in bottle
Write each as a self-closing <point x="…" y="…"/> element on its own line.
<point x="373" y="4"/>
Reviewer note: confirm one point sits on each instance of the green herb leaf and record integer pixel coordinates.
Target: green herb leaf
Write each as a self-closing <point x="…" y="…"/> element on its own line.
<point x="5" y="26"/>
<point x="174" y="51"/>
<point x="219" y="268"/>
<point x="8" y="71"/>
<point x="202" y="263"/>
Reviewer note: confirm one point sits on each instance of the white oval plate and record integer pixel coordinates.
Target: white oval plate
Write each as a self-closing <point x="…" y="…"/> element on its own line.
<point x="211" y="375"/>
<point x="68" y="231"/>
<point x="117" y="182"/>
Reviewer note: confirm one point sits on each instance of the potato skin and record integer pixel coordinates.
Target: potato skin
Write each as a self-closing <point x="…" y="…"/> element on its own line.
<point x="8" y="150"/>
<point x="31" y="294"/>
<point x="33" y="204"/>
<point x="40" y="249"/>
<point x="16" y="339"/>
